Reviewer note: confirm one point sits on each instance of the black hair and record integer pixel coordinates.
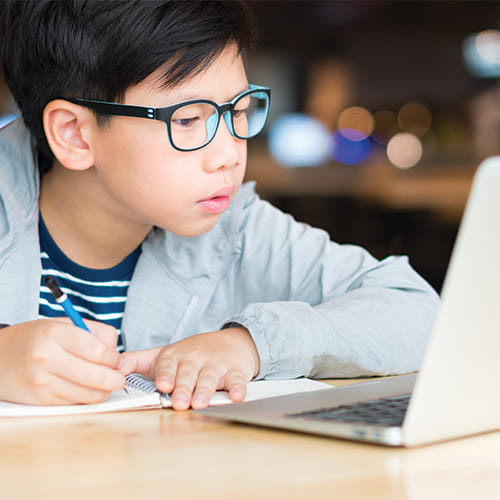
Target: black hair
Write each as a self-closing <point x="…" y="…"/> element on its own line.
<point x="96" y="49"/>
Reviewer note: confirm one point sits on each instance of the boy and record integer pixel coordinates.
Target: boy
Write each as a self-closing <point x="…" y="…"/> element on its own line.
<point x="144" y="219"/>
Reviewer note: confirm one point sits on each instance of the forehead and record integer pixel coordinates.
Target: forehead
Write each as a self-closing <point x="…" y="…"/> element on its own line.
<point x="224" y="78"/>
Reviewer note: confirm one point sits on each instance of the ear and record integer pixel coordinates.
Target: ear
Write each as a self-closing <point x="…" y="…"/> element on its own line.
<point x="69" y="129"/>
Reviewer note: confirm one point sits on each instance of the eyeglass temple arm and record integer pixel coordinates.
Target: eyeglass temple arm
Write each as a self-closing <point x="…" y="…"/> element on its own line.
<point x="116" y="109"/>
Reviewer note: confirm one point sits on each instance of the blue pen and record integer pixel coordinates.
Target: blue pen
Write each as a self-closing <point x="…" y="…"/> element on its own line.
<point x="63" y="299"/>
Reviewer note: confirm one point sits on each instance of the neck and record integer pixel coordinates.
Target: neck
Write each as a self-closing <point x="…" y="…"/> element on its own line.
<point x="86" y="226"/>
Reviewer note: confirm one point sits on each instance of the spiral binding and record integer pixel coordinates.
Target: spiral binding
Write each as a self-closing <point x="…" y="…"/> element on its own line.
<point x="140" y="383"/>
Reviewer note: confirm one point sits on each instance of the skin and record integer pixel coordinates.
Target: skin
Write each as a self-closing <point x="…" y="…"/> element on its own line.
<point x="52" y="362"/>
<point x="113" y="181"/>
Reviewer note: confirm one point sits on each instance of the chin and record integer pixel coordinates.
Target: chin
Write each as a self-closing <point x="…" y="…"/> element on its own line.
<point x="200" y="229"/>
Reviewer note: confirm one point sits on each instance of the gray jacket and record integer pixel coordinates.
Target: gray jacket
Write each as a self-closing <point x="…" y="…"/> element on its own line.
<point x="312" y="306"/>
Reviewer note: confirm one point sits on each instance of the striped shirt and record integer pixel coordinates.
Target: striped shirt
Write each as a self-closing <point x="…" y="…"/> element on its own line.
<point x="97" y="294"/>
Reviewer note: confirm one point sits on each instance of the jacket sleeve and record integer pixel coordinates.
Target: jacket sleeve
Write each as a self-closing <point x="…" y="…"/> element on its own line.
<point x="319" y="309"/>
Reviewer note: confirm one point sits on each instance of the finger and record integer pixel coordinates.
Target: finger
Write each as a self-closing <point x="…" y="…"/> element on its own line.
<point x="166" y="371"/>
<point x="185" y="382"/>
<point x="142" y="362"/>
<point x="236" y="384"/>
<point x="89" y="347"/>
<point x="67" y="392"/>
<point x="208" y="381"/>
<point x="76" y="370"/>
<point x="54" y="390"/>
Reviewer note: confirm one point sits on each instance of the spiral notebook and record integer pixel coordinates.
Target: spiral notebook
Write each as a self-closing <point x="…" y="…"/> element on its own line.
<point x="142" y="394"/>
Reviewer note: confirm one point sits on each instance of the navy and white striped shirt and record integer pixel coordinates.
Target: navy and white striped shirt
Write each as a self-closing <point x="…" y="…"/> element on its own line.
<point x="97" y="294"/>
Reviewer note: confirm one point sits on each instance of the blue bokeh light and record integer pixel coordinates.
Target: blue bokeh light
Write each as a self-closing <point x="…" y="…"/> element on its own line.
<point x="475" y="63"/>
<point x="348" y="151"/>
<point x="299" y="140"/>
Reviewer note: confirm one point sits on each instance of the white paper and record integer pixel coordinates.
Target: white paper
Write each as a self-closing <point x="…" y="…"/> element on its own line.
<point x="136" y="400"/>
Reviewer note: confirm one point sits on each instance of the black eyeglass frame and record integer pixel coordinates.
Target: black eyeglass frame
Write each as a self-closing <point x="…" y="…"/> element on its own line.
<point x="165" y="114"/>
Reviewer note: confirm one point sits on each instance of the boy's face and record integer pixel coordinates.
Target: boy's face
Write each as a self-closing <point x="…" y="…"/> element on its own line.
<point x="146" y="181"/>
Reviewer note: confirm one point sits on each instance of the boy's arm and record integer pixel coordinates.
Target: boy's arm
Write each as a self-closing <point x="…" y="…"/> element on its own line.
<point x="320" y="309"/>
<point x="311" y="307"/>
<point x="49" y="362"/>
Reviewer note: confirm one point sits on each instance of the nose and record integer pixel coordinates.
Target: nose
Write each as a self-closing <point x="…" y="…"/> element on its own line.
<point x="225" y="150"/>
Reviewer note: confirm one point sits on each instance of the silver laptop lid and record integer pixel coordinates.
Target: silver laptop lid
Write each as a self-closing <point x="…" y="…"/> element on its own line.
<point x="456" y="392"/>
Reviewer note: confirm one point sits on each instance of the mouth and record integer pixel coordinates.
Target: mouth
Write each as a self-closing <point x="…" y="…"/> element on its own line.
<point x="218" y="202"/>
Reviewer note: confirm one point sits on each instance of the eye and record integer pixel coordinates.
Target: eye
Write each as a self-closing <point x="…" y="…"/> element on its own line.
<point x="238" y="113"/>
<point x="185" y="122"/>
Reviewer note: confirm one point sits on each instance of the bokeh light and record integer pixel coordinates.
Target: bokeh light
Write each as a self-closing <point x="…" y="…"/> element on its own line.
<point x="415" y="117"/>
<point x="350" y="152"/>
<point x="488" y="46"/>
<point x="298" y="140"/>
<point x="480" y="53"/>
<point x="404" y="150"/>
<point x="355" y="123"/>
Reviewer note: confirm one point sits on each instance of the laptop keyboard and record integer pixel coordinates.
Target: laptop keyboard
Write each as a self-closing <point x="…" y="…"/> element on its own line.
<point x="386" y="412"/>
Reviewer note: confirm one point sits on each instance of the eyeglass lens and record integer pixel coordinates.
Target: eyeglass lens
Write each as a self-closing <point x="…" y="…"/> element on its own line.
<point x="195" y="125"/>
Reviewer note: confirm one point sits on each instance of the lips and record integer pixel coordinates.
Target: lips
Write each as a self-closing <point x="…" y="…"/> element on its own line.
<point x="218" y="202"/>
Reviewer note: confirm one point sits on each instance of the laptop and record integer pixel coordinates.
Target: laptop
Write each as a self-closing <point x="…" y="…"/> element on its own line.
<point x="456" y="392"/>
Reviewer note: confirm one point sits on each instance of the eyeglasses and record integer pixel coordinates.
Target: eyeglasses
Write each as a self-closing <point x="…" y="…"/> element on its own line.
<point x="192" y="124"/>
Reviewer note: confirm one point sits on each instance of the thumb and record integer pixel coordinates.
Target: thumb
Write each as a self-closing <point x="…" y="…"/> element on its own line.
<point x="142" y="362"/>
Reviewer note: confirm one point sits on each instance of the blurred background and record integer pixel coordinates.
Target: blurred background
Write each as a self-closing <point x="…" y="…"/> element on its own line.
<point x="381" y="112"/>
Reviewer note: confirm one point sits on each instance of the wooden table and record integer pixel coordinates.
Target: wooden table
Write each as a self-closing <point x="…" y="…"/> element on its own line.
<point x="166" y="454"/>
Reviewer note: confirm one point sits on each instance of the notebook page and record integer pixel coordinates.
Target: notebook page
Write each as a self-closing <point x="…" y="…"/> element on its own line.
<point x="118" y="401"/>
<point x="258" y="389"/>
<point x="261" y="389"/>
<point x="139" y="399"/>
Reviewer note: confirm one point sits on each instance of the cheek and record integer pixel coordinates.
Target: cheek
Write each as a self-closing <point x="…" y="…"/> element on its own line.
<point x="137" y="141"/>
<point x="243" y="157"/>
<point x="138" y="165"/>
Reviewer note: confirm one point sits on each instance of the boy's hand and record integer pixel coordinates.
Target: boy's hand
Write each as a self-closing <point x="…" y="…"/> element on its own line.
<point x="194" y="368"/>
<point x="51" y="361"/>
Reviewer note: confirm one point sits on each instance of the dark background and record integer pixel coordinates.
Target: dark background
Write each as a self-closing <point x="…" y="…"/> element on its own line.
<point x="395" y="51"/>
